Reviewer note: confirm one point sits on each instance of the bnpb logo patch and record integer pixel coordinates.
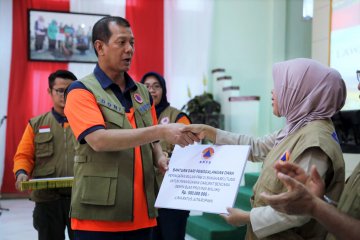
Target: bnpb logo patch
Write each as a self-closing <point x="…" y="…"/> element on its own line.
<point x="165" y="120"/>
<point x="138" y="98"/>
<point x="207" y="153"/>
<point x="285" y="157"/>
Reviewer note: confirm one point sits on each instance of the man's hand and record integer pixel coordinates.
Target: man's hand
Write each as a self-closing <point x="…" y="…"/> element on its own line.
<point x="22" y="177"/>
<point x="313" y="182"/>
<point x="163" y="164"/>
<point x="236" y="217"/>
<point x="175" y="134"/>
<point x="160" y="159"/>
<point x="297" y="200"/>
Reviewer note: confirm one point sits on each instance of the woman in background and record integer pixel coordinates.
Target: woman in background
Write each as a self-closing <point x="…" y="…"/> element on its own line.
<point x="171" y="222"/>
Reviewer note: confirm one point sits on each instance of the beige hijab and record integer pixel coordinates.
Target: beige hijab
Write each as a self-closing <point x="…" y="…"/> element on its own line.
<point x="306" y="91"/>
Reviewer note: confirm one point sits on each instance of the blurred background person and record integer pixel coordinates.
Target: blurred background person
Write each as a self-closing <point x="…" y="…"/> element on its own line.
<point x="40" y="33"/>
<point x="171" y="223"/>
<point x="52" y="32"/>
<point x="46" y="150"/>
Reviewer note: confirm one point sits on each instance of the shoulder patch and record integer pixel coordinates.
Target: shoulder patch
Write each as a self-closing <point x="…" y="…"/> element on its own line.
<point x="335" y="137"/>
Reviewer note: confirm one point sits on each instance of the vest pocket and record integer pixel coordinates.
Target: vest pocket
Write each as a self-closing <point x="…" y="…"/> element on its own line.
<point x="145" y="117"/>
<point x="111" y="125"/>
<point x="44" y="146"/>
<point x="99" y="184"/>
<point x="351" y="204"/>
<point x="148" y="121"/>
<point x="272" y="184"/>
<point x="357" y="201"/>
<point x="115" y="118"/>
<point x="41" y="172"/>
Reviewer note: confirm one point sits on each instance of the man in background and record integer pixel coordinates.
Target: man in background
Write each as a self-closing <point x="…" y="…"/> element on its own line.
<point x="46" y="150"/>
<point x="171" y="223"/>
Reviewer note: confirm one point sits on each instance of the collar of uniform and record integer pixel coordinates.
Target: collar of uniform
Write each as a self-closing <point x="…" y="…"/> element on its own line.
<point x="58" y="117"/>
<point x="106" y="82"/>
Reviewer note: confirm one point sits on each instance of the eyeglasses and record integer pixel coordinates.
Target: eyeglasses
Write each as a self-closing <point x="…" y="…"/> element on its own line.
<point x="59" y="91"/>
<point x="155" y="87"/>
<point x="358" y="75"/>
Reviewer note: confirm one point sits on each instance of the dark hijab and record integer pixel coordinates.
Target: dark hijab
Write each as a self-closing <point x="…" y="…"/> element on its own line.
<point x="163" y="102"/>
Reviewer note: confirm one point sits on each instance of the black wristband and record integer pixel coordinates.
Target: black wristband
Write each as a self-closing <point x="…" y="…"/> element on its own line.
<point x="20" y="171"/>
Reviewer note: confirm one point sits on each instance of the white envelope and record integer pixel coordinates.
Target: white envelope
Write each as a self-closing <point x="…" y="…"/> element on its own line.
<point x="203" y="178"/>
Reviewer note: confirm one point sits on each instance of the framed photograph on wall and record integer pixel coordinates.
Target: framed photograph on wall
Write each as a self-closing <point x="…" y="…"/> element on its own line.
<point x="61" y="36"/>
<point x="345" y="47"/>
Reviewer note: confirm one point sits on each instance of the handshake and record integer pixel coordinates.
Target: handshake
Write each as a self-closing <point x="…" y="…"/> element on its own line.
<point x="184" y="135"/>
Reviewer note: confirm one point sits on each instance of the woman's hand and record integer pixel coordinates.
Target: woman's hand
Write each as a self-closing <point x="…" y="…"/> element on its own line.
<point x="236" y="217"/>
<point x="174" y="133"/>
<point x="201" y="131"/>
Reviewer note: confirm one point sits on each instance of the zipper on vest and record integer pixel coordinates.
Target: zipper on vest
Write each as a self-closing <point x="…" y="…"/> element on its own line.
<point x="133" y="186"/>
<point x="144" y="185"/>
<point x="66" y="153"/>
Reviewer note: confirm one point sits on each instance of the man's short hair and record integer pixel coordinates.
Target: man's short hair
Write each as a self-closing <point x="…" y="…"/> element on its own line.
<point x="101" y="29"/>
<point x="60" y="74"/>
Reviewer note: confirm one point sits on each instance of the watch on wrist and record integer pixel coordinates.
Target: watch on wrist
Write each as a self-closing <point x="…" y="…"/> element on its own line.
<point x="330" y="201"/>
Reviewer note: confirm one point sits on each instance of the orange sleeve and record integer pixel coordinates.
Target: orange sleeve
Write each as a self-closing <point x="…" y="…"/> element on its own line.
<point x="82" y="111"/>
<point x="184" y="119"/>
<point x="153" y="114"/>
<point x="24" y="156"/>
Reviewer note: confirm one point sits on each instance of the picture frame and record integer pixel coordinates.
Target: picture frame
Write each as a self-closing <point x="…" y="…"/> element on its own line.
<point x="61" y="36"/>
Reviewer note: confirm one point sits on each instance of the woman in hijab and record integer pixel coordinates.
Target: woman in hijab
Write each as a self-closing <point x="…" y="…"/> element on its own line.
<point x="307" y="94"/>
<point x="171" y="222"/>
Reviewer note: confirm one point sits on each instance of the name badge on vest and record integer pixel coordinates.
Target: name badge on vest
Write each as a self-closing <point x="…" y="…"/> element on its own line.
<point x="44" y="129"/>
<point x="165" y="120"/>
<point x="138" y="98"/>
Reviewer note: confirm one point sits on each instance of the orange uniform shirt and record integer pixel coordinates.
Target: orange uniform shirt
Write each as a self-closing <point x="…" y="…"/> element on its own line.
<point x="25" y="153"/>
<point x="184" y="119"/>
